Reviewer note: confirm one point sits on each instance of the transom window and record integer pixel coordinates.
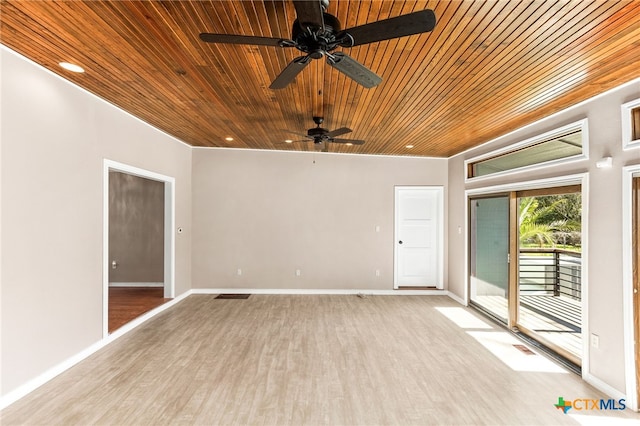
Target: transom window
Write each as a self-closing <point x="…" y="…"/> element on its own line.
<point x="553" y="147"/>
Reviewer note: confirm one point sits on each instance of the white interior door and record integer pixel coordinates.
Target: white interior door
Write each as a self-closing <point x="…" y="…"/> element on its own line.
<point x="418" y="231"/>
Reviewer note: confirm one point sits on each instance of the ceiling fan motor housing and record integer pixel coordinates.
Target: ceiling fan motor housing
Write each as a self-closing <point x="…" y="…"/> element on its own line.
<point x="317" y="132"/>
<point x="317" y="42"/>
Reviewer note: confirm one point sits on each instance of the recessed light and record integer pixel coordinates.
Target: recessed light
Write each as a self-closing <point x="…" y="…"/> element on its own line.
<point x="288" y="141"/>
<point x="348" y="144"/>
<point x="228" y="138"/>
<point x="409" y="146"/>
<point x="71" y="67"/>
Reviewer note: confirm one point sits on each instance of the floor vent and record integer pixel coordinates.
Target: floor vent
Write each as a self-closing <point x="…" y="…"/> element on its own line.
<point x="524" y="349"/>
<point x="233" y="296"/>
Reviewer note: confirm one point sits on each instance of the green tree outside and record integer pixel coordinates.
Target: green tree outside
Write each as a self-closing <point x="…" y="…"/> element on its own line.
<point x="551" y="221"/>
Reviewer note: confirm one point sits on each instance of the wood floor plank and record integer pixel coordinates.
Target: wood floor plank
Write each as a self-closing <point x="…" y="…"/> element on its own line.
<point x="128" y="303"/>
<point x="302" y="359"/>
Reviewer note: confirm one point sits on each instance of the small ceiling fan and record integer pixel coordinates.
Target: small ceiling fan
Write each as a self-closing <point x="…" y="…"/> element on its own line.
<point x="322" y="137"/>
<point x="317" y="34"/>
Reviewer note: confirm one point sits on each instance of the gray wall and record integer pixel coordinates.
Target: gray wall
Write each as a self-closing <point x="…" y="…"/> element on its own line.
<point x="270" y="213"/>
<point x="603" y="232"/>
<point x="136" y="229"/>
<point x="54" y="139"/>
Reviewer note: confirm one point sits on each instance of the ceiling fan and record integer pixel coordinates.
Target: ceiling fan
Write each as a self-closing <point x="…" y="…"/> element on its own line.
<point x="322" y="137"/>
<point x="317" y="34"/>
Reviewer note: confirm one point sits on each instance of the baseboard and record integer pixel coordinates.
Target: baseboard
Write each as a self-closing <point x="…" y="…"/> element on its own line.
<point x="136" y="284"/>
<point x="367" y="292"/>
<point x="603" y="387"/>
<point x="51" y="373"/>
<point x="457" y="298"/>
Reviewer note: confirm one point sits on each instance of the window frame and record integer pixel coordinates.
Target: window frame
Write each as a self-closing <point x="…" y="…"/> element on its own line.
<point x="628" y="142"/>
<point x="581" y="125"/>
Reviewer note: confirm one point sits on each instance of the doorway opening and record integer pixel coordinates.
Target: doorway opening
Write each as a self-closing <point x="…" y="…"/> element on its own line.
<point x="139" y="249"/>
<point x="525" y="264"/>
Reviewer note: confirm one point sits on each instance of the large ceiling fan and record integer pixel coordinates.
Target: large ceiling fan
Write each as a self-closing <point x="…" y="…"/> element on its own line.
<point x="317" y="34"/>
<point x="322" y="137"/>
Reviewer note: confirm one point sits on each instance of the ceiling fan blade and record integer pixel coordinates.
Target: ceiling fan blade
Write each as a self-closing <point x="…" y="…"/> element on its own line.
<point x="242" y="39"/>
<point x="309" y="13"/>
<point x="354" y="70"/>
<point x="296" y="133"/>
<point x="290" y="72"/>
<point x="351" y="141"/>
<point x="338" y="132"/>
<point x="400" y="26"/>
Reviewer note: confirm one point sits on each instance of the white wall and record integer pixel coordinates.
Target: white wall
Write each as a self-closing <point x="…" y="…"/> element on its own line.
<point x="269" y="213"/>
<point x="603" y="232"/>
<point x="54" y="138"/>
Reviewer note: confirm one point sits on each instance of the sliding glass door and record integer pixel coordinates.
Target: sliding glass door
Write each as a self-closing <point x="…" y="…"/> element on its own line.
<point x="525" y="264"/>
<point x="489" y="255"/>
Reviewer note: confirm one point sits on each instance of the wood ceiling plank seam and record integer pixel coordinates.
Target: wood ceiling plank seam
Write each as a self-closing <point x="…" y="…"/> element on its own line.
<point x="170" y="51"/>
<point x="418" y="60"/>
<point x="101" y="94"/>
<point x="318" y="92"/>
<point x="246" y="14"/>
<point x="543" y="59"/>
<point x="175" y="17"/>
<point x="376" y="53"/>
<point x="553" y="64"/>
<point x="168" y="18"/>
<point x="43" y="39"/>
<point x="233" y="58"/>
<point x="399" y="88"/>
<point x="195" y="142"/>
<point x="272" y="115"/>
<point x="548" y="53"/>
<point x="443" y="18"/>
<point x="453" y="69"/>
<point x="372" y="55"/>
<point x="196" y="16"/>
<point x="142" y="71"/>
<point x="78" y="36"/>
<point x="353" y="92"/>
<point x="410" y="72"/>
<point x="542" y="112"/>
<point x="427" y="111"/>
<point x="285" y="112"/>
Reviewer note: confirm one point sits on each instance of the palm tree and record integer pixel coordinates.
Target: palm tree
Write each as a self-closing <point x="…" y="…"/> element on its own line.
<point x="539" y="222"/>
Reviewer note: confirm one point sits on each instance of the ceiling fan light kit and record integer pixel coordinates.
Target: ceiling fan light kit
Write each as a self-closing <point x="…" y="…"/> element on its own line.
<point x="317" y="34"/>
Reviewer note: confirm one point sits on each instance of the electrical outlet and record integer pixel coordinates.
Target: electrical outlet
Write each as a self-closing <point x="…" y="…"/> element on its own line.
<point x="377" y="272"/>
<point x="595" y="341"/>
<point x="239" y="272"/>
<point x="297" y="272"/>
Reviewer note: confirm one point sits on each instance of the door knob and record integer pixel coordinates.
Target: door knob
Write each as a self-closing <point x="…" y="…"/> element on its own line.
<point x="400" y="242"/>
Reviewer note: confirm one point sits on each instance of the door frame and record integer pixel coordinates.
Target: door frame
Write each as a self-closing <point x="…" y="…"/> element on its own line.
<point x="169" y="225"/>
<point x="439" y="232"/>
<point x="630" y="309"/>
<point x="581" y="179"/>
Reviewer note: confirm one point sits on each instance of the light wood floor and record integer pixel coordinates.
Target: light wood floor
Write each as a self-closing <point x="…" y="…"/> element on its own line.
<point x="337" y="360"/>
<point x="567" y="337"/>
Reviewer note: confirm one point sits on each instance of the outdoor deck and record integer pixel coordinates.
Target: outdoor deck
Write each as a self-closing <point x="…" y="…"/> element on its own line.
<point x="556" y="319"/>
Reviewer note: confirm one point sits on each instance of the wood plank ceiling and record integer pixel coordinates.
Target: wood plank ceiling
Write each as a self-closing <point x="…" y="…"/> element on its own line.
<point x="489" y="67"/>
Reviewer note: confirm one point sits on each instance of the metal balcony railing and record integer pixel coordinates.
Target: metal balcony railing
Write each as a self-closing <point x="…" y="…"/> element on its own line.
<point x="552" y="272"/>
